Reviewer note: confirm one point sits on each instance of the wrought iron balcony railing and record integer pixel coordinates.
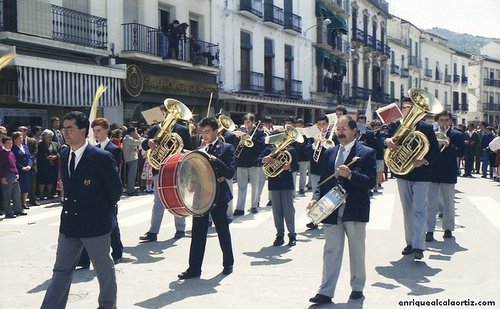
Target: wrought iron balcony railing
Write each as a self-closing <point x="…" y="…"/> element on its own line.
<point x="148" y="40"/>
<point x="252" y="6"/>
<point x="293" y="22"/>
<point x="491" y="107"/>
<point x="456" y="78"/>
<point x="439" y="75"/>
<point x="465" y="79"/>
<point x="414" y="61"/>
<point x="252" y="81"/>
<point x="274" y="14"/>
<point x="277" y="85"/>
<point x="447" y="78"/>
<point x="405" y="72"/>
<point x="295" y="90"/>
<point x="491" y="82"/>
<point x="428" y="73"/>
<point x="79" y="28"/>
<point x="395" y="69"/>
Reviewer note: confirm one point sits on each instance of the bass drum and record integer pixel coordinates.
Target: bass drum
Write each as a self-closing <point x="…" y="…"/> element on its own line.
<point x="187" y="184"/>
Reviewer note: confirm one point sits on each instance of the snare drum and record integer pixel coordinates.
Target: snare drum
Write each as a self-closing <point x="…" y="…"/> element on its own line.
<point x="326" y="205"/>
<point x="187" y="184"/>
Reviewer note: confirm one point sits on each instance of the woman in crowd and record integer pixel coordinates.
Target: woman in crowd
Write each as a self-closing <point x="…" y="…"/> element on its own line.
<point x="48" y="153"/>
<point x="24" y="164"/>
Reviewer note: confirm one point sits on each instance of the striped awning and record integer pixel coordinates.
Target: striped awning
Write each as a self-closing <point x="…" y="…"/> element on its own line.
<point x="67" y="84"/>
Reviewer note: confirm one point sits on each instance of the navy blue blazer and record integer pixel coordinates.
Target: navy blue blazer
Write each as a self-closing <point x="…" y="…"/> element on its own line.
<point x="230" y="138"/>
<point x="116" y="152"/>
<point x="444" y="170"/>
<point x="248" y="156"/>
<point x="284" y="181"/>
<point x="423" y="173"/>
<point x="364" y="172"/>
<point x="224" y="166"/>
<point x="90" y="194"/>
<point x="179" y="129"/>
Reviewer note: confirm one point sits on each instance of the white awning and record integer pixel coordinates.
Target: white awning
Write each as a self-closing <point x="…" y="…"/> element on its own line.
<point x="53" y="82"/>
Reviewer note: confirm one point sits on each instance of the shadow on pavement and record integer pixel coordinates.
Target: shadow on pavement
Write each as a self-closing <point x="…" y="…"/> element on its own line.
<point x="447" y="247"/>
<point x="410" y="274"/>
<point x="149" y="252"/>
<point x="182" y="289"/>
<point x="269" y="255"/>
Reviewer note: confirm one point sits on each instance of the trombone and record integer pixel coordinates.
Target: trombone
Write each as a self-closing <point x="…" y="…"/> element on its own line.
<point x="326" y="143"/>
<point x="245" y="142"/>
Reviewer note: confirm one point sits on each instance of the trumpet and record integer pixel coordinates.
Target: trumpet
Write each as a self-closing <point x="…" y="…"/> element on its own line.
<point x="326" y="143"/>
<point x="442" y="138"/>
<point x="245" y="142"/>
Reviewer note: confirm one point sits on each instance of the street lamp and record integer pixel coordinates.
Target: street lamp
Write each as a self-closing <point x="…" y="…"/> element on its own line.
<point x="325" y="22"/>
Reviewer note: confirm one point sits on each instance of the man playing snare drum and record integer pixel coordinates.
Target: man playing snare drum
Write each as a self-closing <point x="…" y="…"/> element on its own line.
<point x="349" y="219"/>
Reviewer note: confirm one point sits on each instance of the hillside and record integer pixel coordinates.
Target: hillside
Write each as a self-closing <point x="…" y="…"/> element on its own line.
<point x="462" y="42"/>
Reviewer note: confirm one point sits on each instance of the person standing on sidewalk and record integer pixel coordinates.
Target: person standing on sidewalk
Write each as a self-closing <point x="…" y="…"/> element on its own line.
<point x="92" y="187"/>
<point x="9" y="176"/>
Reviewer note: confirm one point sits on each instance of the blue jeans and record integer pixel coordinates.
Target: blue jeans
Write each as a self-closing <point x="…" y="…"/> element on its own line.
<point x="486" y="163"/>
<point x="11" y="191"/>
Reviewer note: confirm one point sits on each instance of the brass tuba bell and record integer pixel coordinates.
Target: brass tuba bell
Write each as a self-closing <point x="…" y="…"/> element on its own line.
<point x="225" y="122"/>
<point x="167" y="142"/>
<point x="280" y="155"/>
<point x="410" y="144"/>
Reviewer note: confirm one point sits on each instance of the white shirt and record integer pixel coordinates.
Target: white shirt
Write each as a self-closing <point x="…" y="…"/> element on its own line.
<point x="78" y="154"/>
<point x="104" y="143"/>
<point x="342" y="155"/>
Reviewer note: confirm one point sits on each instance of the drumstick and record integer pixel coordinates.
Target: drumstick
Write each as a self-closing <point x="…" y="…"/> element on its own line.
<point x="335" y="174"/>
<point x="209" y="103"/>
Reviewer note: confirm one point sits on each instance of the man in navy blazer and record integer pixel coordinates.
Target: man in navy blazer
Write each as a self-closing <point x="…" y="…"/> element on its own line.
<point x="92" y="187"/>
<point x="413" y="188"/>
<point x="444" y="178"/>
<point x="222" y="157"/>
<point x="100" y="128"/>
<point x="158" y="209"/>
<point x="349" y="219"/>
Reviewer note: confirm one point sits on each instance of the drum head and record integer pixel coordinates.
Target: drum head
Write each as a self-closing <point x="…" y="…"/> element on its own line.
<point x="197" y="183"/>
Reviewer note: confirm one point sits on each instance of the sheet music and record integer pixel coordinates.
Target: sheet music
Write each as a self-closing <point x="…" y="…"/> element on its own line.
<point x="311" y="131"/>
<point x="153" y="115"/>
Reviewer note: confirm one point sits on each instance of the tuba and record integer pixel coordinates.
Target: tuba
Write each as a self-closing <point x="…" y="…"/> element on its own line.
<point x="280" y="155"/>
<point x="410" y="144"/>
<point x="168" y="143"/>
<point x="225" y="122"/>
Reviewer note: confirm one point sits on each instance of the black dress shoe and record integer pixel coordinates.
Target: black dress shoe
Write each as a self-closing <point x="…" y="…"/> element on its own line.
<point x="149" y="237"/>
<point x="356" y="295"/>
<point x="320" y="299"/>
<point x="279" y="241"/>
<point x="188" y="275"/>
<point x="254" y="210"/>
<point x="26" y="207"/>
<point x="11" y="216"/>
<point x="429" y="236"/>
<point x="292" y="241"/>
<point x="269" y="203"/>
<point x="447" y="234"/>
<point x="407" y="250"/>
<point x="418" y="254"/>
<point x="35" y="203"/>
<point x="227" y="270"/>
<point x="238" y="212"/>
<point x="117" y="260"/>
<point x="179" y="234"/>
<point x="22" y="213"/>
<point x="311" y="226"/>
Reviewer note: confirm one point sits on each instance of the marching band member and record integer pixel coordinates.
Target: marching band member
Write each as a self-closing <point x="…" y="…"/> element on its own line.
<point x="158" y="209"/>
<point x="315" y="168"/>
<point x="444" y="178"/>
<point x="247" y="167"/>
<point x="349" y="219"/>
<point x="413" y="188"/>
<point x="303" y="158"/>
<point x="281" y="190"/>
<point x="222" y="156"/>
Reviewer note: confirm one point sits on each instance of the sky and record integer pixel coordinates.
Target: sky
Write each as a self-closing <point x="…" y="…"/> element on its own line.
<point x="476" y="17"/>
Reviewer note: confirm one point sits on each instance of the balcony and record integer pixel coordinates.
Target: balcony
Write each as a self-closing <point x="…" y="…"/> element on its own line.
<point x="294" y="90"/>
<point x="428" y="73"/>
<point x="293" y="22"/>
<point x="252" y="81"/>
<point x="439" y="75"/>
<point x="141" y="39"/>
<point x="491" y="82"/>
<point x="456" y="78"/>
<point x="273" y="14"/>
<point x="381" y="97"/>
<point x="491" y="107"/>
<point x="328" y="40"/>
<point x="447" y="78"/>
<point x="360" y="93"/>
<point x="415" y="62"/>
<point x="277" y="85"/>
<point x="395" y="69"/>
<point x="382" y="48"/>
<point x="382" y="5"/>
<point x="465" y="107"/>
<point x="359" y="36"/>
<point x="405" y="72"/>
<point x="251" y="8"/>
<point x="465" y="79"/>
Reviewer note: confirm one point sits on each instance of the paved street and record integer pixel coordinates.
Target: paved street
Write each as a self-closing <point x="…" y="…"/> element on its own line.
<point x="462" y="268"/>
